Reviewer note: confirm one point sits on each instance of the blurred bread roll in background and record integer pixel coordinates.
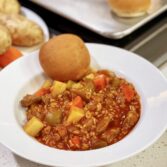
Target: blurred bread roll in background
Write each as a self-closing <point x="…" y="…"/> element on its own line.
<point x="24" y="32"/>
<point x="9" y="6"/>
<point x="5" y="39"/>
<point x="65" y="57"/>
<point x="129" y="8"/>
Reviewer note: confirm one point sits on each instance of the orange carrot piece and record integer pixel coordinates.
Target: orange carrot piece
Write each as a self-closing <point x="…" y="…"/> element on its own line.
<point x="100" y="81"/>
<point x="128" y="92"/>
<point x="78" y="102"/>
<point x="42" y="92"/>
<point x="11" y="55"/>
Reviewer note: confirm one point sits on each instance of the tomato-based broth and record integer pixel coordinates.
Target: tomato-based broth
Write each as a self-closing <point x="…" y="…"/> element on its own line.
<point x="95" y="112"/>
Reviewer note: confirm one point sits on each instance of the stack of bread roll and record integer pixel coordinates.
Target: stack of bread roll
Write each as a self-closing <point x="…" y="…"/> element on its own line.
<point x="16" y="29"/>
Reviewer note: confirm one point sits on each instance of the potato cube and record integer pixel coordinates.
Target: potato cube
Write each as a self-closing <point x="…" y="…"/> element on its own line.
<point x="47" y="84"/>
<point x="70" y="84"/>
<point x="75" y="115"/>
<point x="77" y="86"/>
<point x="90" y="76"/>
<point x="58" y="88"/>
<point x="33" y="126"/>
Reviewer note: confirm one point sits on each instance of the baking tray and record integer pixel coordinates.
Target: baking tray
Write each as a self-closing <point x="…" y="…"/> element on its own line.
<point x="97" y="16"/>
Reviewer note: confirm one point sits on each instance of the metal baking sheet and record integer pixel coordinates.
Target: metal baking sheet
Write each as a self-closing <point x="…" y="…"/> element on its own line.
<point x="97" y="16"/>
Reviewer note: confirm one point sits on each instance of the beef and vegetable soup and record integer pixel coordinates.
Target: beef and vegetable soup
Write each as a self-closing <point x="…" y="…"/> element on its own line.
<point x="95" y="112"/>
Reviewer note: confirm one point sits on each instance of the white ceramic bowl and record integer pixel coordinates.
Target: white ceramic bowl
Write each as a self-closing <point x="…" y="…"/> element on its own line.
<point x="25" y="75"/>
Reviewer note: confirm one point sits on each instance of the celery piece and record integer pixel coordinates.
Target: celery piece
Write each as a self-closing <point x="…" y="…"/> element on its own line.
<point x="53" y="118"/>
<point x="70" y="84"/>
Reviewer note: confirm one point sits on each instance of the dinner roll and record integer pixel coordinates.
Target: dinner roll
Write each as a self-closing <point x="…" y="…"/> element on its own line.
<point x="24" y="32"/>
<point x="129" y="8"/>
<point x="65" y="57"/>
<point x="5" y="39"/>
<point x="9" y="6"/>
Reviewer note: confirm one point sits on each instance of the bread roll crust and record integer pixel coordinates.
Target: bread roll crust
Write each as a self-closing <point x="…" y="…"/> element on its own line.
<point x="65" y="57"/>
<point x="9" y="6"/>
<point x="129" y="8"/>
<point x="24" y="32"/>
<point x="5" y="39"/>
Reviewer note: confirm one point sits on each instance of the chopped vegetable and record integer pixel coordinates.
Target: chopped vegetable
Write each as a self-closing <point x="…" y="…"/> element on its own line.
<point x="11" y="55"/>
<point x="47" y="84"/>
<point x="75" y="115"/>
<point x="90" y="76"/>
<point x="100" y="81"/>
<point x="33" y="126"/>
<point x="58" y="88"/>
<point x="89" y="86"/>
<point x="82" y="93"/>
<point x="77" y="86"/>
<point x="54" y="118"/>
<point x="78" y="102"/>
<point x="70" y="84"/>
<point x="42" y="92"/>
<point x="128" y="92"/>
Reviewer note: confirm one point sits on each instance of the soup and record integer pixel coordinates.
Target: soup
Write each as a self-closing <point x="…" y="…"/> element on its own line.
<point x="95" y="112"/>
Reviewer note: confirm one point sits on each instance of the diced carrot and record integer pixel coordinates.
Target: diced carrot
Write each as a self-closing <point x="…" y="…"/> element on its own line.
<point x="76" y="141"/>
<point x="42" y="92"/>
<point x="128" y="92"/>
<point x="100" y="81"/>
<point x="77" y="102"/>
<point x="11" y="55"/>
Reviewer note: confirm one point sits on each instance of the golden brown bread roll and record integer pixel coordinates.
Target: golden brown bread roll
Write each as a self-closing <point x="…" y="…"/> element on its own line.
<point x="65" y="57"/>
<point x="5" y="39"/>
<point x="24" y="32"/>
<point x="129" y="8"/>
<point x="9" y="6"/>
